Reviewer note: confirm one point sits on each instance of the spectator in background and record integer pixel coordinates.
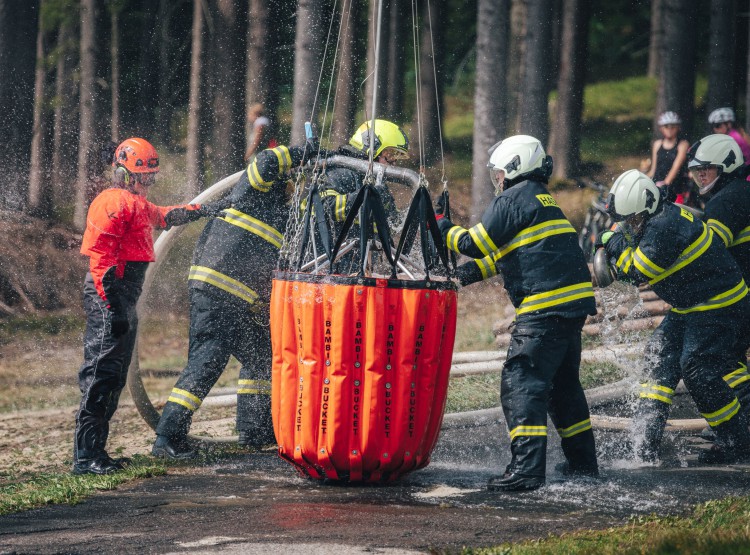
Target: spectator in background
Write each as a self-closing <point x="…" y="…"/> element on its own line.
<point x="669" y="159"/>
<point x="261" y="136"/>
<point x="722" y="121"/>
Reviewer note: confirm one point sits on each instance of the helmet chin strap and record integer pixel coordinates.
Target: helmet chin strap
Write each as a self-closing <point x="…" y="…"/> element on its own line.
<point x="707" y="188"/>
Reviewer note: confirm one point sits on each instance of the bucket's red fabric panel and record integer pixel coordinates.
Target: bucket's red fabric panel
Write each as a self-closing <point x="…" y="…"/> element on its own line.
<point x="360" y="376"/>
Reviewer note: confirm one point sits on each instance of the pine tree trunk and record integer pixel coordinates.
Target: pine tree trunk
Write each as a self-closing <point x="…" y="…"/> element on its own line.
<point x="565" y="138"/>
<point x="194" y="152"/>
<point x="490" y="92"/>
<point x="427" y="139"/>
<point x="516" y="69"/>
<point x="721" y="76"/>
<point x="396" y="63"/>
<point x="40" y="196"/>
<point x="18" y="29"/>
<point x="86" y="110"/>
<point x="258" y="76"/>
<point x="677" y="83"/>
<point x="164" y="101"/>
<point x="148" y="71"/>
<point x="535" y="81"/>
<point x="64" y="134"/>
<point x="114" y="55"/>
<point x="382" y="85"/>
<point x="345" y="110"/>
<point x="308" y="56"/>
<point x="656" y="39"/>
<point x="228" y="87"/>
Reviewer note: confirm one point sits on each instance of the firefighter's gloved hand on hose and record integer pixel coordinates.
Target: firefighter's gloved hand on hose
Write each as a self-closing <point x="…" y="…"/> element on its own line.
<point x="190" y="213"/>
<point x="440" y="207"/>
<point x="602" y="239"/>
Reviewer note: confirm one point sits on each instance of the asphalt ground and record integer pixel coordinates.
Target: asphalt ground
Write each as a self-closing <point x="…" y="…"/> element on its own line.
<point x="257" y="503"/>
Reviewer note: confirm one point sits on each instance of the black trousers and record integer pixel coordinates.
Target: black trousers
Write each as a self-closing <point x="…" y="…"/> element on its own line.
<point x="218" y="330"/>
<point x="104" y="371"/>
<point x="540" y="376"/>
<point x="699" y="348"/>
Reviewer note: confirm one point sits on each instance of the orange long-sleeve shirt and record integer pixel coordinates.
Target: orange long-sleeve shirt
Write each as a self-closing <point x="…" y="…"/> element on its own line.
<point x="119" y="229"/>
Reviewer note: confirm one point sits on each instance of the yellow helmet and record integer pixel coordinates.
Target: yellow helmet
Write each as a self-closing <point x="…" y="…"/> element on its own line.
<point x="387" y="135"/>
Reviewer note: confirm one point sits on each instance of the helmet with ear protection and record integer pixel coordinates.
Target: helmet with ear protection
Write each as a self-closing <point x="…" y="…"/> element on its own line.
<point x="134" y="156"/>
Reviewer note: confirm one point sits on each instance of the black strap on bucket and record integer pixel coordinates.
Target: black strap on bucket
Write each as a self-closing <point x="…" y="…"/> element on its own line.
<point x="314" y="201"/>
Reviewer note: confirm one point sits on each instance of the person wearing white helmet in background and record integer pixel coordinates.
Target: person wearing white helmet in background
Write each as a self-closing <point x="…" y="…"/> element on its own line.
<point x="717" y="167"/>
<point x="526" y="237"/>
<point x="688" y="267"/>
<point x="723" y="120"/>
<point x="669" y="157"/>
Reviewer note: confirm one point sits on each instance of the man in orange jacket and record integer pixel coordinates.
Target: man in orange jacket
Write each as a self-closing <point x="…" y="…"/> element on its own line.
<point x="119" y="243"/>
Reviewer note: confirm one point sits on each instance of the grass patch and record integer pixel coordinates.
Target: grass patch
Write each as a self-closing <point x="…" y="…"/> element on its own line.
<point x="594" y="374"/>
<point x="26" y="493"/>
<point x="473" y="393"/>
<point x="716" y="527"/>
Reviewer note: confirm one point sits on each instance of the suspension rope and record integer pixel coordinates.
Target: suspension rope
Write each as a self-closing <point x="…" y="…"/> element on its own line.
<point x="417" y="87"/>
<point x="375" y="81"/>
<point x="437" y="99"/>
<point x="346" y="10"/>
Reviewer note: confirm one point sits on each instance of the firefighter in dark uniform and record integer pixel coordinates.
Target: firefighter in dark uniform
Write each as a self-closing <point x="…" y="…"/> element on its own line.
<point x="525" y="236"/>
<point x="119" y="243"/>
<point x="717" y="166"/>
<point x="341" y="184"/>
<point x="230" y="290"/>
<point x="687" y="266"/>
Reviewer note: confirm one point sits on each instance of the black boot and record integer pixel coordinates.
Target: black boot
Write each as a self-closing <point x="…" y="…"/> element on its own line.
<point x="250" y="439"/>
<point x="511" y="481"/>
<point x="175" y="449"/>
<point x="98" y="466"/>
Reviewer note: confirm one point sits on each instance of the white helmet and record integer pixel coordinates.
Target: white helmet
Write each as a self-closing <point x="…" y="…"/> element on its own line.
<point x="721" y="115"/>
<point x="519" y="157"/>
<point x="717" y="150"/>
<point x="633" y="192"/>
<point x="669" y="118"/>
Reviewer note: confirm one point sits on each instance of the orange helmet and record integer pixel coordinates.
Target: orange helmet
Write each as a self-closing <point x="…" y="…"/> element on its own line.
<point x="137" y="156"/>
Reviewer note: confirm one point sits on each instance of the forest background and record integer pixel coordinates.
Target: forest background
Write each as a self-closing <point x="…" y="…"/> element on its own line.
<point x="587" y="77"/>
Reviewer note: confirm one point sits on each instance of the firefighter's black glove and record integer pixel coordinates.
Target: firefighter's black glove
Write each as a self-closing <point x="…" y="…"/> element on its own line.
<point x="183" y="215"/>
<point x="211" y="209"/>
<point x="119" y="322"/>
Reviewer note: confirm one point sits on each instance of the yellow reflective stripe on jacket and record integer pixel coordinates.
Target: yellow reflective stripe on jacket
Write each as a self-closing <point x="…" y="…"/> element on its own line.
<point x="723" y="414"/>
<point x="625" y="260"/>
<point x="575" y="429"/>
<point x="721" y="230"/>
<point x="454" y="234"/>
<point x="487" y="267"/>
<point x="737" y="377"/>
<point x="646" y="266"/>
<point x="284" y="158"/>
<point x="689" y="255"/>
<point x="254" y="387"/>
<point x="482" y="239"/>
<point x="224" y="282"/>
<point x="657" y="392"/>
<point x="736" y="293"/>
<point x="742" y="237"/>
<point x="556" y="297"/>
<point x="526" y="431"/>
<point x="184" y="398"/>
<point x="253" y="225"/>
<point x="533" y="234"/>
<point x="256" y="181"/>
<point x="340" y="209"/>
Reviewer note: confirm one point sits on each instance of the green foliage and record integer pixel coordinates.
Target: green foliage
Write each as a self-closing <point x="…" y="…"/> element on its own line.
<point x="49" y="488"/>
<point x="716" y="527"/>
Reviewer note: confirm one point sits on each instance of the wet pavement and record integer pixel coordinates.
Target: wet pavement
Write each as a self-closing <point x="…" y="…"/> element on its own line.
<point x="257" y="503"/>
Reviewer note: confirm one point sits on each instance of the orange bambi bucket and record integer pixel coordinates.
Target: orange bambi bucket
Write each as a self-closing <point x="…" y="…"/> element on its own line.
<point x="360" y="373"/>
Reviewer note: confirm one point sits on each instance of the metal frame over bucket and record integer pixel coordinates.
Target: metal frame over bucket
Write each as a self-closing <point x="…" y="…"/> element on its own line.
<point x="360" y="372"/>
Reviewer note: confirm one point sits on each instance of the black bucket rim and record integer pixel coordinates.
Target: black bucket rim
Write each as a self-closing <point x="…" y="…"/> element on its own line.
<point x="337" y="279"/>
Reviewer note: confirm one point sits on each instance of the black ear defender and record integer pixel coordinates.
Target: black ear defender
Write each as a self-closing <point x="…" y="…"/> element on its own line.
<point x="121" y="177"/>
